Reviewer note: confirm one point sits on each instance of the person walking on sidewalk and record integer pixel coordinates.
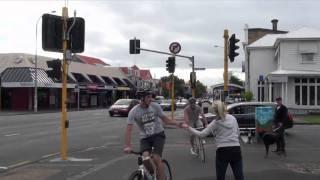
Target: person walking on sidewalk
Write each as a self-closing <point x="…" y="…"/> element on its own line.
<point x="280" y="116"/>
<point x="226" y="132"/>
<point x="148" y="115"/>
<point x="191" y="117"/>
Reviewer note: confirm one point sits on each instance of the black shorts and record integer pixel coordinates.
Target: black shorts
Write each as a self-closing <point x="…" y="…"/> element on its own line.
<point x="156" y="141"/>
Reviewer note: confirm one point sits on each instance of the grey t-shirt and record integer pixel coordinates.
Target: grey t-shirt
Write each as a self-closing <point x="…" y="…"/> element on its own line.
<point x="193" y="115"/>
<point x="147" y="119"/>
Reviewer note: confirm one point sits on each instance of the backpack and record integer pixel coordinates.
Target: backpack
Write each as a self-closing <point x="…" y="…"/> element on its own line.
<point x="288" y="123"/>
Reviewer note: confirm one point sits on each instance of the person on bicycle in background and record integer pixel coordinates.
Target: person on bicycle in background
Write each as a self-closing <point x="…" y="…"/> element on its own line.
<point x="191" y="117"/>
<point x="226" y="133"/>
<point x="148" y="115"/>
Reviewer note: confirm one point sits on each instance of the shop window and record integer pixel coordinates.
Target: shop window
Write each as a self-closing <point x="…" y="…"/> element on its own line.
<point x="297" y="80"/>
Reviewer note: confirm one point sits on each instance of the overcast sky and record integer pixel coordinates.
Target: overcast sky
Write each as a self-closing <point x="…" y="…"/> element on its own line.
<point x="197" y="25"/>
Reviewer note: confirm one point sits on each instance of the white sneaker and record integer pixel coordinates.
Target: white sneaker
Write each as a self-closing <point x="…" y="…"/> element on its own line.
<point x="193" y="152"/>
<point x="203" y="141"/>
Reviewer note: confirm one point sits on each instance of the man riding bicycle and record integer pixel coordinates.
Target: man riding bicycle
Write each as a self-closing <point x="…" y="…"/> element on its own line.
<point x="148" y="115"/>
<point x="191" y="117"/>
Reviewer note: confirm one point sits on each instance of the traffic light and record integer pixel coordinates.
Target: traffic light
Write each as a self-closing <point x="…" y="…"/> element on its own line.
<point x="193" y="79"/>
<point x="52" y="35"/>
<point x="55" y="73"/>
<point x="171" y="64"/>
<point x="233" y="47"/>
<point x="134" y="46"/>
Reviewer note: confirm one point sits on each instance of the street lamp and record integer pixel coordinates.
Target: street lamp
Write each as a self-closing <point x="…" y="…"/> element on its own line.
<point x="35" y="104"/>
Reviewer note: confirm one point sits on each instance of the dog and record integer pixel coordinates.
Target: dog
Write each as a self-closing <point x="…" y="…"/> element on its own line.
<point x="270" y="138"/>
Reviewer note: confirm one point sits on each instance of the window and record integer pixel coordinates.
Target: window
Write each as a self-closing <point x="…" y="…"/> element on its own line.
<point x="304" y="95"/>
<point x="318" y="95"/>
<point x="297" y="95"/>
<point x="307" y="57"/>
<point x="312" y="95"/>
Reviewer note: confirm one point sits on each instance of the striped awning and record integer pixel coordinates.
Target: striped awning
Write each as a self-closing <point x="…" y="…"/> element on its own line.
<point x="25" y="77"/>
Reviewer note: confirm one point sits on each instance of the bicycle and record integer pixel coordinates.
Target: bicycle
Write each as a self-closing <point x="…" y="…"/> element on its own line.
<point x="198" y="143"/>
<point x="142" y="172"/>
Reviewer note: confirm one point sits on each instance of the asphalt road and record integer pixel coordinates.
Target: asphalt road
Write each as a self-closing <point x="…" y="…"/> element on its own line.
<point x="30" y="143"/>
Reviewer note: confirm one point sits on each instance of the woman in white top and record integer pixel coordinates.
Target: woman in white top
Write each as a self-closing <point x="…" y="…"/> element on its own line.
<point x="226" y="132"/>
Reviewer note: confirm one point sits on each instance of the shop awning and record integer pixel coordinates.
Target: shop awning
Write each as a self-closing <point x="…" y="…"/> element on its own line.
<point x="25" y="77"/>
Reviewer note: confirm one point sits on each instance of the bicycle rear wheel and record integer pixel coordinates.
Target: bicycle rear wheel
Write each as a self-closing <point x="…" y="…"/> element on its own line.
<point x="136" y="175"/>
<point x="201" y="150"/>
<point x="167" y="169"/>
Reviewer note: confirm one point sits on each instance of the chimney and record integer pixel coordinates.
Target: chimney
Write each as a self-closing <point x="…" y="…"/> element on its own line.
<point x="274" y="24"/>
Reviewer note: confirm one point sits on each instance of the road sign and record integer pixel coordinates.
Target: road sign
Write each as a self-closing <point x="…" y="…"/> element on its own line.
<point x="198" y="69"/>
<point x="175" y="47"/>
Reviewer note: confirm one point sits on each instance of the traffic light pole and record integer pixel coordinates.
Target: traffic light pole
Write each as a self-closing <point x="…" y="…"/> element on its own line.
<point x="225" y="74"/>
<point x="188" y="57"/>
<point x="193" y="87"/>
<point x="64" y="121"/>
<point x="172" y="96"/>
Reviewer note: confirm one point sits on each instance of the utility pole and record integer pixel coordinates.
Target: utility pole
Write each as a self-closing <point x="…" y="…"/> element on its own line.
<point x="64" y="116"/>
<point x="225" y="74"/>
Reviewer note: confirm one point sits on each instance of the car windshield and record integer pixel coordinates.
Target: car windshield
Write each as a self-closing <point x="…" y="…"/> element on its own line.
<point x="166" y="101"/>
<point x="123" y="102"/>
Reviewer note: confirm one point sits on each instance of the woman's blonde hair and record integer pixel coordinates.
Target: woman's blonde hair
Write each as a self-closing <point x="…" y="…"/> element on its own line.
<point x="220" y="109"/>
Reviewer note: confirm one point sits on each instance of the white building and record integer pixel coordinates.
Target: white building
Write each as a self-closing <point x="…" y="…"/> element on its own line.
<point x="286" y="65"/>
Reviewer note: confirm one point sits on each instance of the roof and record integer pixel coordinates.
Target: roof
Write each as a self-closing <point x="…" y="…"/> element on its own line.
<point x="145" y="74"/>
<point x="266" y="41"/>
<point x="27" y="60"/>
<point x="91" y="60"/>
<point x="230" y="84"/>
<point x="295" y="72"/>
<point x="270" y="40"/>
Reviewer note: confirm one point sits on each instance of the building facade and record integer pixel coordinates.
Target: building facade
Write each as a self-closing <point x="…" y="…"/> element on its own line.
<point x="286" y="65"/>
<point x="89" y="85"/>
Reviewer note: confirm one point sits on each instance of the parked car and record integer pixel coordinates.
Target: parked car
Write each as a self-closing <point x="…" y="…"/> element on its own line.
<point x="122" y="107"/>
<point x="166" y="105"/>
<point x="182" y="103"/>
<point x="158" y="99"/>
<point x="245" y="113"/>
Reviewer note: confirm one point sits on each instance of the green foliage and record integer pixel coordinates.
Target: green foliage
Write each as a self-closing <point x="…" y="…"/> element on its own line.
<point x="179" y="85"/>
<point x="235" y="80"/>
<point x="248" y="95"/>
<point x="201" y="90"/>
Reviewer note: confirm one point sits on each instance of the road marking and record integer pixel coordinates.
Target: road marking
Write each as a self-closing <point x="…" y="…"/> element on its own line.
<point x="49" y="155"/>
<point x="70" y="159"/>
<point x="9" y="135"/>
<point x="19" y="164"/>
<point x="96" y="168"/>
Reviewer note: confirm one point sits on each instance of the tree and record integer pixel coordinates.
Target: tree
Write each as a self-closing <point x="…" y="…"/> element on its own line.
<point x="201" y="90"/>
<point x="179" y="86"/>
<point x="248" y="96"/>
<point x="235" y="80"/>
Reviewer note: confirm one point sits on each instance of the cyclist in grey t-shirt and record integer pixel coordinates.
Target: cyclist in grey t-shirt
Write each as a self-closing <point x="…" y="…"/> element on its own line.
<point x="149" y="117"/>
<point x="191" y="117"/>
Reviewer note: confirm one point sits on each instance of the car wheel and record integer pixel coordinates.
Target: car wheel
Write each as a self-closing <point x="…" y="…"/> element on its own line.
<point x="111" y="114"/>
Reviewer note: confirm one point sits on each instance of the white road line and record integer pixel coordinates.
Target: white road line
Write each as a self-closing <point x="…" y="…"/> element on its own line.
<point x="18" y="164"/>
<point x="9" y="135"/>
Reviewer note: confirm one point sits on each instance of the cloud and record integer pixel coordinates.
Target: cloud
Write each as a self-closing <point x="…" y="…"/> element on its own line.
<point x="196" y="25"/>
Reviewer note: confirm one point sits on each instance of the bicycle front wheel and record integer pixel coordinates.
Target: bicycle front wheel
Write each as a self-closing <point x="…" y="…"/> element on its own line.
<point x="201" y="150"/>
<point x="167" y="169"/>
<point x="136" y="175"/>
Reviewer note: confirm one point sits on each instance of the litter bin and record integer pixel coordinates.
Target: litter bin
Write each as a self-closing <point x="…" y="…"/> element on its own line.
<point x="264" y="118"/>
